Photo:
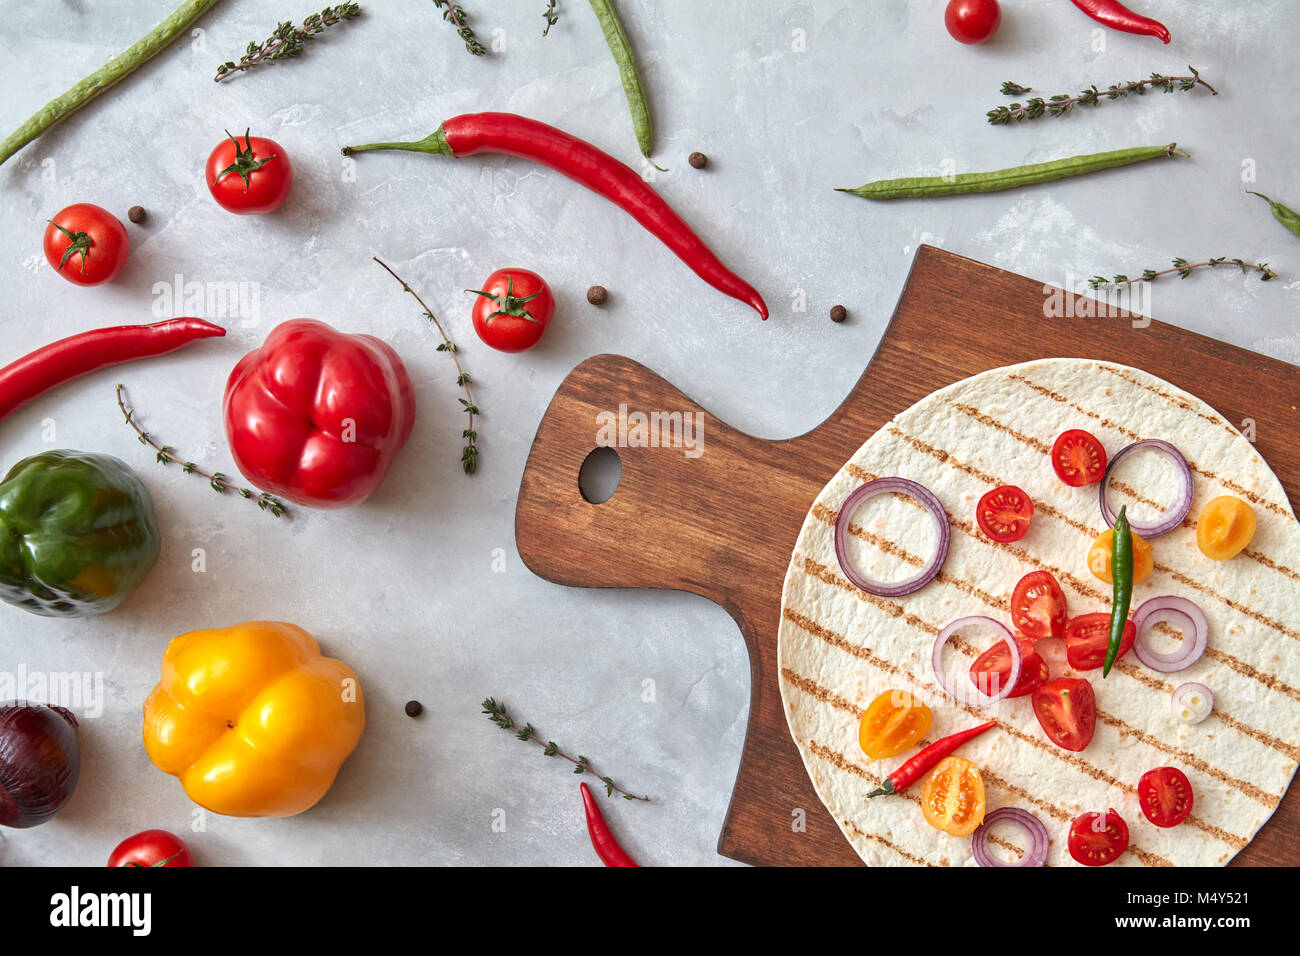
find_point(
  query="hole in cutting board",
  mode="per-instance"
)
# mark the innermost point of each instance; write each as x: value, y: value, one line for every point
x: 599, y: 475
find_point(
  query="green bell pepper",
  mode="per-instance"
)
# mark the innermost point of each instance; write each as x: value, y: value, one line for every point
x: 77, y: 534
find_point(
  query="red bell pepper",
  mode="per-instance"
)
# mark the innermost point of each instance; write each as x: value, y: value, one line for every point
x: 317, y: 416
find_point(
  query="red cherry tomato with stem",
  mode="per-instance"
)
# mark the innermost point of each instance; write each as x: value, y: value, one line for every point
x: 513, y: 309
x: 1078, y: 458
x: 1003, y: 513
x: 152, y: 848
x: 1165, y: 795
x: 1096, y: 840
x: 1087, y: 637
x: 250, y: 177
x: 1066, y: 709
x: 1038, y: 606
x: 86, y: 244
x: 972, y: 21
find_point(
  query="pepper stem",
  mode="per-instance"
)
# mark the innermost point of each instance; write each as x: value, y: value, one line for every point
x: 435, y: 142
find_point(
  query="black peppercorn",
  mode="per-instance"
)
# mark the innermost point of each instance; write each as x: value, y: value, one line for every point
x: 839, y: 313
x: 698, y: 160
x: 597, y: 295
x: 136, y: 214
x: 414, y: 708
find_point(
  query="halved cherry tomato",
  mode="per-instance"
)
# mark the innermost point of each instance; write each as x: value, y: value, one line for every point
x: 1165, y: 795
x: 1003, y: 513
x: 1224, y: 528
x: 992, y: 668
x: 1079, y: 459
x: 1100, y: 552
x: 1038, y: 606
x: 953, y: 797
x: 1096, y: 840
x: 1067, y: 711
x: 892, y: 723
x: 1087, y: 636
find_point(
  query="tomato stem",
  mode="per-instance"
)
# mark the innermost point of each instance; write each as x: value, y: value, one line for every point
x: 244, y: 163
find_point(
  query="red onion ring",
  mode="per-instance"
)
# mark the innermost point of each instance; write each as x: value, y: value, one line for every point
x: 1172, y: 518
x: 971, y: 694
x: 1035, y: 853
x: 1187, y: 617
x: 1198, y: 714
x: 927, y: 500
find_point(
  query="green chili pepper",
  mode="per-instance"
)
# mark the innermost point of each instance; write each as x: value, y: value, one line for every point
x: 147, y: 47
x: 616, y: 37
x: 1286, y: 216
x: 1121, y: 572
x: 923, y: 186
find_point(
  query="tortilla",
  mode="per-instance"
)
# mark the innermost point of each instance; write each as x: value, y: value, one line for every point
x: 838, y: 647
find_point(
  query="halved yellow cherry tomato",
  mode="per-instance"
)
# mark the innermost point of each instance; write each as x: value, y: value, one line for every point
x: 894, y: 722
x: 1225, y: 526
x: 953, y: 798
x: 1099, y: 558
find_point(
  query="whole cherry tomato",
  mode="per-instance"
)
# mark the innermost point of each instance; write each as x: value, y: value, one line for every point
x: 152, y: 848
x: 249, y: 178
x: 513, y: 309
x: 86, y: 244
x: 972, y: 21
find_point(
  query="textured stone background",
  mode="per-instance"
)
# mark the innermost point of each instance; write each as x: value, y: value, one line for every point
x: 403, y: 587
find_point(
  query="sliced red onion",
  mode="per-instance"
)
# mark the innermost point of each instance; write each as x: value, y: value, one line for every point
x: 902, y: 486
x: 1191, y: 702
x: 969, y: 694
x: 1172, y: 518
x: 1030, y: 825
x: 1182, y: 614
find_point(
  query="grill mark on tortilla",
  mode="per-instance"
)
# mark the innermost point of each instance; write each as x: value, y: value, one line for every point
x: 850, y: 825
x: 1253, y: 496
x: 1181, y: 403
x: 840, y: 641
x: 820, y: 693
x: 1235, y: 605
x: 1270, y: 681
x: 825, y: 574
x: 1270, y: 563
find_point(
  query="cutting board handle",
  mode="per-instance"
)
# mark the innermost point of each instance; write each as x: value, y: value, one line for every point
x: 691, y: 489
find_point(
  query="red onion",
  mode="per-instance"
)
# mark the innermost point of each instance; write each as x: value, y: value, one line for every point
x: 902, y: 486
x: 1191, y: 702
x: 1035, y: 833
x: 969, y: 694
x: 1172, y: 518
x: 39, y: 762
x: 1185, y: 616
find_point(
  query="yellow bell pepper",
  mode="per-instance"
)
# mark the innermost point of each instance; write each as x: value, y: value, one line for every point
x: 252, y: 719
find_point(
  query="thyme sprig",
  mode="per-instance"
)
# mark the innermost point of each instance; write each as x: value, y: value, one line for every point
x: 469, y: 454
x: 166, y: 454
x: 287, y: 41
x: 497, y: 713
x: 551, y: 17
x: 455, y: 14
x: 1184, y: 269
x: 1063, y: 103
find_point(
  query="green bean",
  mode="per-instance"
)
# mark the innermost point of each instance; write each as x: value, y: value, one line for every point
x: 616, y: 37
x: 923, y: 186
x: 148, y: 46
x: 1286, y: 216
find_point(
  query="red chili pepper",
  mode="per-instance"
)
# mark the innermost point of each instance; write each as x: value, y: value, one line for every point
x: 607, y: 848
x: 1119, y: 17
x: 78, y: 355
x: 513, y: 135
x: 915, y: 768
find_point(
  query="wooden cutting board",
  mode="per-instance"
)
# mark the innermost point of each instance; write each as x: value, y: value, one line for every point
x: 679, y: 522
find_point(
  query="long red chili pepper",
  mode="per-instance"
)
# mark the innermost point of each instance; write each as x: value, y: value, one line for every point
x: 78, y: 355
x: 514, y: 135
x: 1119, y: 17
x: 607, y: 848
x: 915, y: 768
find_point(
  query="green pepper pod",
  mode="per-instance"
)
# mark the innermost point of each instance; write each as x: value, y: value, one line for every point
x: 77, y: 534
x: 621, y: 48
x: 1121, y: 573
x: 1283, y: 214
x: 918, y: 187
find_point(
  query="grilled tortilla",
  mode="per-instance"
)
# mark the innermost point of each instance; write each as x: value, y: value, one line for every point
x: 839, y: 647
